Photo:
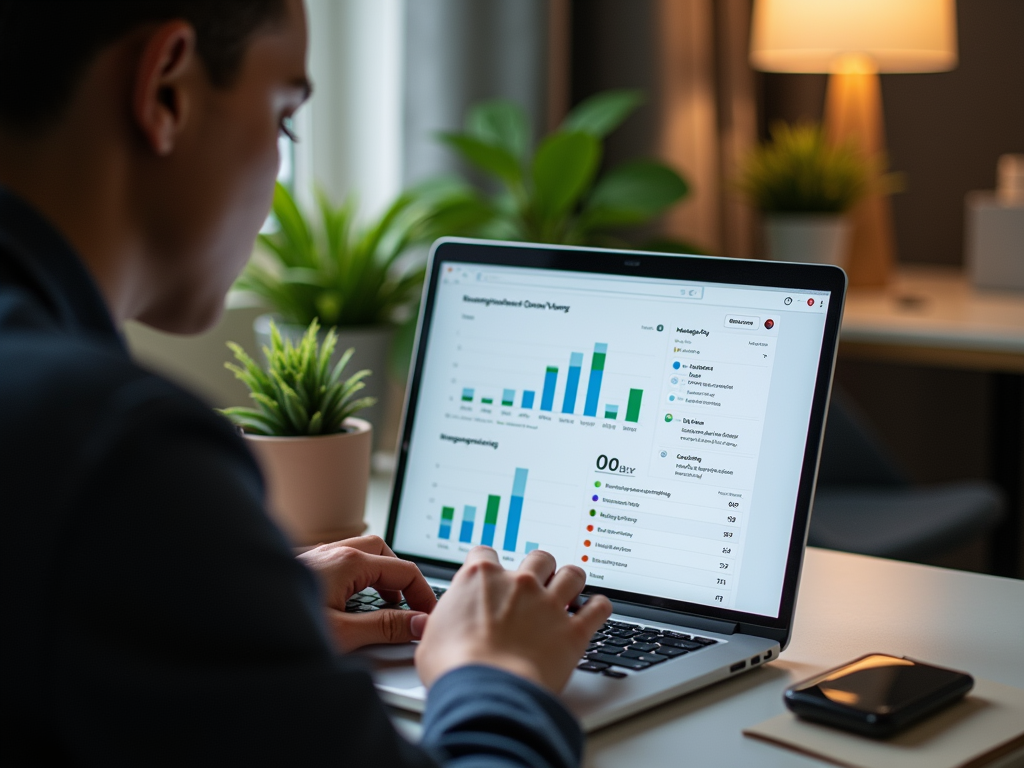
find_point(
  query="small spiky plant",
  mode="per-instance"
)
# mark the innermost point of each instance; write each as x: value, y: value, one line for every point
x: 299, y: 394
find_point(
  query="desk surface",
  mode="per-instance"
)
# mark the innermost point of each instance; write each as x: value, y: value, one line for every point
x: 934, y: 315
x: 848, y: 605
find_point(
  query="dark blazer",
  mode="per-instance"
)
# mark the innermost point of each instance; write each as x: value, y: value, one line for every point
x: 152, y: 613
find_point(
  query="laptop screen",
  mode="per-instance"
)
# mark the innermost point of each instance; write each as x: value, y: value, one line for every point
x: 651, y: 431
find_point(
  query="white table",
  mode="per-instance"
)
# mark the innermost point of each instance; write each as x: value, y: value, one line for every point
x: 848, y: 605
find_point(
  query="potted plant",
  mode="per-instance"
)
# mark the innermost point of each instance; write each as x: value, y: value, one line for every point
x: 555, y: 193
x: 346, y: 275
x: 315, y: 456
x: 803, y: 186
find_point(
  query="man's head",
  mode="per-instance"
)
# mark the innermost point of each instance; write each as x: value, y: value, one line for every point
x: 146, y: 130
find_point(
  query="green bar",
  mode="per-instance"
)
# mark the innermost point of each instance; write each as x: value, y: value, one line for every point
x: 552, y: 369
x: 611, y: 414
x: 633, y: 406
x: 597, y: 364
x: 491, y: 516
x: 507, y: 403
x: 467, y: 399
x: 487, y: 400
x: 447, y: 513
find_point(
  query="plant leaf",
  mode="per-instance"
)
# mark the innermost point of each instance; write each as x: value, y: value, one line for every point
x: 602, y: 113
x: 633, y: 194
x: 563, y: 168
x: 500, y: 123
x: 496, y: 161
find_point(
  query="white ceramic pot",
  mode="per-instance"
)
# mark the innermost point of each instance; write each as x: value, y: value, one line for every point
x: 819, y: 238
x: 372, y: 347
x: 316, y: 486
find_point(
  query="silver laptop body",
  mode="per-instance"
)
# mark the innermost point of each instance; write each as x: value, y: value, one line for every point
x: 655, y: 419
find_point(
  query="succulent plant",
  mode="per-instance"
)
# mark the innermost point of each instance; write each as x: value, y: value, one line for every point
x: 299, y: 394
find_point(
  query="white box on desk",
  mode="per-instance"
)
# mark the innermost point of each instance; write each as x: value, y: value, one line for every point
x: 995, y: 241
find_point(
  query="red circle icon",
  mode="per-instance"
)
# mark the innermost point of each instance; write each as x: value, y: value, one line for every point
x: 810, y: 302
x: 769, y: 323
x: 586, y: 542
x: 590, y: 527
x: 584, y: 558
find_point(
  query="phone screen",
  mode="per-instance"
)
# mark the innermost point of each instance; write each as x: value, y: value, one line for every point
x: 880, y: 684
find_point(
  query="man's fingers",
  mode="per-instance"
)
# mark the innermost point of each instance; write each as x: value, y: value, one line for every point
x: 392, y: 578
x: 371, y: 545
x: 593, y: 614
x: 355, y: 630
x: 567, y: 583
x: 540, y: 563
x: 482, y: 554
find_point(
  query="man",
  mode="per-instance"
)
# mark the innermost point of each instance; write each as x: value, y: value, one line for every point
x: 152, y: 612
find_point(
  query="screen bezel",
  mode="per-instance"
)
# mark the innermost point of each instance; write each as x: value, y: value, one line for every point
x: 797, y: 277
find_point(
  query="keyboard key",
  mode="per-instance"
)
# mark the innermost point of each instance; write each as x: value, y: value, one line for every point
x: 685, y: 644
x: 677, y: 635
x: 597, y: 637
x: 705, y: 641
x: 621, y: 642
x: 669, y: 652
x: 618, y: 661
x: 643, y: 647
x: 613, y: 673
x: 593, y: 666
x: 646, y: 637
x: 650, y: 658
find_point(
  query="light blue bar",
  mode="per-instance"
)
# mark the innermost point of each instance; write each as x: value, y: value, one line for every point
x: 515, y: 510
x: 468, y: 518
x: 572, y: 383
x: 547, y: 398
x: 467, y: 392
x: 594, y: 386
x: 612, y: 409
x: 528, y: 399
x: 508, y: 396
x: 530, y: 546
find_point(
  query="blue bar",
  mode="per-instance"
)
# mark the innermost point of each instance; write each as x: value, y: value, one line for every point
x: 508, y: 396
x: 572, y: 384
x: 530, y: 546
x: 528, y: 399
x: 515, y: 510
x: 547, y: 398
x: 594, y: 386
x: 488, y: 538
x: 468, y: 517
x: 467, y: 393
x: 445, y: 532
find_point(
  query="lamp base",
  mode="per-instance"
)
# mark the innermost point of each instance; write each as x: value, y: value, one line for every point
x: 853, y: 114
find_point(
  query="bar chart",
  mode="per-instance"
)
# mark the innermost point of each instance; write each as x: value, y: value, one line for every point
x: 492, y: 512
x: 579, y: 395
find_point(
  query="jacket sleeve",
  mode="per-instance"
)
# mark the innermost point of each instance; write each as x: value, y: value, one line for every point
x: 185, y: 632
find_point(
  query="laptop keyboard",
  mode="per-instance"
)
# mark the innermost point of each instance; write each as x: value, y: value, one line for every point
x: 615, y: 647
x: 618, y: 645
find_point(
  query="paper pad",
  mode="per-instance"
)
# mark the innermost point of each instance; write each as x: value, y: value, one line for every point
x: 986, y: 724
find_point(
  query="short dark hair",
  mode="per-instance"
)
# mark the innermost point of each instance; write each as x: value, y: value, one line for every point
x: 46, y: 45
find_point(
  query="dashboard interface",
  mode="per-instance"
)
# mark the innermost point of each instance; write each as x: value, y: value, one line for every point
x: 651, y: 431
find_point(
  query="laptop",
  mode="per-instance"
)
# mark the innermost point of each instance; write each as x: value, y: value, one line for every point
x: 655, y: 419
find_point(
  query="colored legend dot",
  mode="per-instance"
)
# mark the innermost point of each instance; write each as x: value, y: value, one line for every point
x: 586, y: 542
x: 668, y: 417
x: 676, y: 365
x: 597, y: 483
x: 593, y: 513
x: 594, y: 497
x: 590, y: 528
x: 584, y: 558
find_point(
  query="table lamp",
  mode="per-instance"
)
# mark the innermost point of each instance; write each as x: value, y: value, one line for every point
x: 854, y: 41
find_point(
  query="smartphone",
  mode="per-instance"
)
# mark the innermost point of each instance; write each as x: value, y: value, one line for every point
x: 877, y: 695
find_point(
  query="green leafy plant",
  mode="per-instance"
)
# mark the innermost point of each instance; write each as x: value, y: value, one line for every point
x: 799, y: 171
x: 335, y: 270
x: 299, y: 393
x: 554, y: 194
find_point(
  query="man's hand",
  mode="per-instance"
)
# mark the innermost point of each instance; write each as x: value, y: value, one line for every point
x: 350, y: 566
x: 513, y: 620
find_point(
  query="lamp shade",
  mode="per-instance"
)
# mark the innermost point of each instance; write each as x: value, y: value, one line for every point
x: 826, y: 35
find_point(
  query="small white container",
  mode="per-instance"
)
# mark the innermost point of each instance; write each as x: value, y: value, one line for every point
x: 994, y: 232
x: 819, y: 238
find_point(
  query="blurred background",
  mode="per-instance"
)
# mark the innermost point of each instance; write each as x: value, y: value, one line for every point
x: 391, y: 74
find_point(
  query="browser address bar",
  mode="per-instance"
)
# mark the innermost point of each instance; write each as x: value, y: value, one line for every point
x: 584, y: 284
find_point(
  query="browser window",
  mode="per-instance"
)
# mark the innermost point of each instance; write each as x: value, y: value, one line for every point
x: 650, y: 431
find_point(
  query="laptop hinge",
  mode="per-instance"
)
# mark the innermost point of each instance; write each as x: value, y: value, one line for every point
x: 675, y: 617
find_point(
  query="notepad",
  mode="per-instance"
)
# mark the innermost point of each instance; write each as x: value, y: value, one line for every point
x: 986, y: 726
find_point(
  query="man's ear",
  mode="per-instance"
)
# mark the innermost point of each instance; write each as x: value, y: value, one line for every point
x: 160, y: 103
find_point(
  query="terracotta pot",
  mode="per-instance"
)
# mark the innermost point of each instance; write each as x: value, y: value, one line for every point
x: 316, y: 486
